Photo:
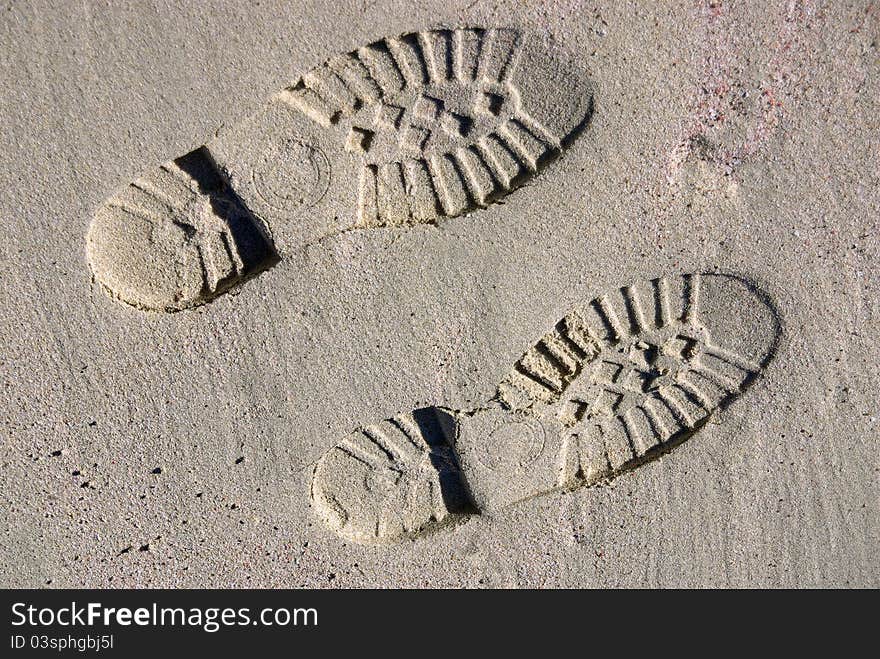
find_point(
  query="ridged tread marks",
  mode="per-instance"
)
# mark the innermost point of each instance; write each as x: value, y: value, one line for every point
x: 166, y: 198
x: 544, y: 372
x: 453, y: 183
x: 422, y: 189
x: 382, y: 69
x: 600, y: 448
x: 396, y: 463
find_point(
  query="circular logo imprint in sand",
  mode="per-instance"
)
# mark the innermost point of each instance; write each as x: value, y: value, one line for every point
x: 513, y: 446
x: 292, y: 176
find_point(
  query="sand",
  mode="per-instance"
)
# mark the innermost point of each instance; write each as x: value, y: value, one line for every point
x: 149, y: 448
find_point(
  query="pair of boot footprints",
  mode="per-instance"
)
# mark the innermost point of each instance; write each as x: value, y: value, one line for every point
x: 410, y: 130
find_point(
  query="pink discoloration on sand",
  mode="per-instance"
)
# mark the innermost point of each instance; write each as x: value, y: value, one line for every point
x: 722, y: 92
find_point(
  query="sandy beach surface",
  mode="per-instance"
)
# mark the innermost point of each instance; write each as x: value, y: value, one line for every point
x: 145, y: 448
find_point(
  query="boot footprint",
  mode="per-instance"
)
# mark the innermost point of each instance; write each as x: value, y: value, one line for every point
x: 617, y: 382
x: 404, y: 130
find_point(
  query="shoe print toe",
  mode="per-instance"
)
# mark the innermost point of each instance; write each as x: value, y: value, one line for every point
x: 554, y: 89
x: 738, y: 316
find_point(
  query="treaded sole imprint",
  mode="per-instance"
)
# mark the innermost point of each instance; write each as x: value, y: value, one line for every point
x: 176, y: 237
x: 404, y: 130
x: 439, y: 119
x: 617, y: 382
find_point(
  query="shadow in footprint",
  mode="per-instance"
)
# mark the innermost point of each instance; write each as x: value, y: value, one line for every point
x: 252, y: 242
x: 439, y: 429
